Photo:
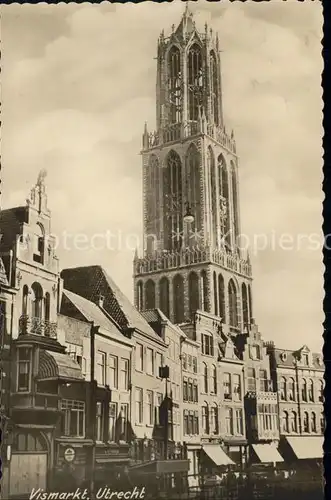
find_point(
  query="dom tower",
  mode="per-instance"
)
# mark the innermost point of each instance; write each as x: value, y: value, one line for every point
x: 192, y: 260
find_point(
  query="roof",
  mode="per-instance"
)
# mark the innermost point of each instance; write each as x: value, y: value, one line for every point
x: 92, y: 313
x: 157, y: 316
x: 91, y: 282
x: 58, y: 365
x: 287, y: 358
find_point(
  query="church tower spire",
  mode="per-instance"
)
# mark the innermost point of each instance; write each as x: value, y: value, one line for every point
x: 192, y: 258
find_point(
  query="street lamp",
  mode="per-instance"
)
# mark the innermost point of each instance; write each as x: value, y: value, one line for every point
x: 188, y: 217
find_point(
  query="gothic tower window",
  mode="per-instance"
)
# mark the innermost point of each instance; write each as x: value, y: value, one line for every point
x: 152, y: 202
x: 250, y: 302
x: 164, y: 296
x: 224, y: 199
x: 178, y: 285
x: 195, y: 82
x: 193, y: 184
x: 173, y: 202
x: 140, y: 296
x: 235, y: 200
x: 213, y: 193
x: 214, y: 87
x: 175, y: 85
x: 215, y: 294
x: 221, y: 297
x: 245, y: 304
x: 150, y: 294
x: 233, y: 306
x: 193, y: 283
x: 204, y: 291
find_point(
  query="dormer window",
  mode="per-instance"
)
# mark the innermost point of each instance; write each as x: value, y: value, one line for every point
x: 305, y: 359
x: 39, y: 246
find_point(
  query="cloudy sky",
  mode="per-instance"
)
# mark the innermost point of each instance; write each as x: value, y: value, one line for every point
x: 78, y: 83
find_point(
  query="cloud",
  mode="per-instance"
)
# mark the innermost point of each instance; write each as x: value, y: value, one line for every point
x: 77, y: 91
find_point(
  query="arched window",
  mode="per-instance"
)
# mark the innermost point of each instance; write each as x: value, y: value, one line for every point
x: 47, y: 306
x: 214, y: 419
x: 25, y: 296
x: 178, y: 285
x: 152, y: 209
x: 291, y: 389
x: 37, y: 300
x: 313, y: 422
x: 304, y: 392
x: 250, y: 302
x: 245, y: 305
x: 173, y: 202
x: 205, y: 418
x: 204, y: 291
x: 215, y: 294
x: 235, y: 201
x: 150, y: 294
x: 193, y: 286
x: 223, y: 180
x: 221, y: 297
x: 214, y: 379
x: 205, y: 377
x: 310, y: 390
x: 321, y: 392
x: 233, y: 306
x: 213, y: 207
x: 193, y: 182
x: 285, y: 422
x: 305, y: 422
x: 214, y: 87
x: 164, y: 296
x: 195, y: 82
x: 175, y: 85
x: 39, y: 247
x: 322, y: 423
x: 282, y: 389
x: 140, y: 296
x: 293, y: 422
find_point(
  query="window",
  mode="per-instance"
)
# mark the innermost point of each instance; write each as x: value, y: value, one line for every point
x: 124, y: 375
x: 99, y: 421
x: 228, y: 421
x: 190, y: 390
x: 150, y: 361
x: 185, y: 390
x: 195, y: 391
x: 100, y: 374
x: 205, y: 419
x: 233, y: 305
x: 24, y: 370
x: 139, y: 357
x: 313, y: 422
x: 112, y: 420
x: 150, y: 407
x: 293, y: 422
x: 214, y: 380
x: 207, y: 345
x: 305, y: 422
x: 285, y: 422
x: 189, y: 362
x: 124, y: 421
x: 282, y: 389
x: 311, y: 391
x: 139, y: 405
x: 322, y: 423
x: 205, y: 378
x: 305, y: 359
x: 255, y: 352
x: 184, y: 361
x: 321, y: 392
x: 251, y: 380
x: 191, y: 422
x: 196, y: 423
x: 236, y: 387
x: 73, y: 421
x: 158, y: 363
x: 227, y: 386
x: 239, y: 422
x: 214, y: 419
x: 304, y: 391
x: 291, y: 389
x: 195, y: 364
x: 158, y: 403
x: 263, y: 380
x: 39, y: 244
x: 113, y: 382
x: 186, y: 429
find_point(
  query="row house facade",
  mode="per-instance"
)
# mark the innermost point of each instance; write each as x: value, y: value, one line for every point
x: 298, y: 378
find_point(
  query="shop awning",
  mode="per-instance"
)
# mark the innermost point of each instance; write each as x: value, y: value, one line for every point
x: 267, y: 453
x: 306, y: 447
x: 55, y: 365
x: 217, y: 455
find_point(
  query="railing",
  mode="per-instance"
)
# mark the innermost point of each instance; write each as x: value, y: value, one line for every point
x: 37, y: 326
x: 173, y: 260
